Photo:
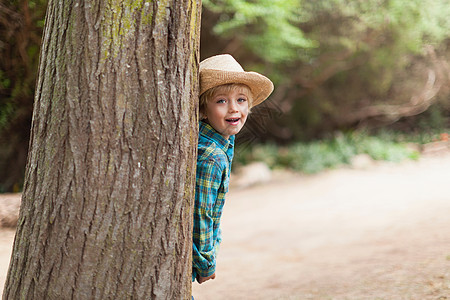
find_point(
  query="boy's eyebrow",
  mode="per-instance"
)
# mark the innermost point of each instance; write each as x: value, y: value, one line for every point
x: 225, y: 94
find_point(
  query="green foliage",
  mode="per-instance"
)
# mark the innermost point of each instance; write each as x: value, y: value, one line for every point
x: 4, y: 81
x: 434, y: 119
x: 286, y: 30
x: 333, y: 58
x: 6, y: 110
x: 324, y: 154
x: 20, y: 32
x: 316, y: 156
x: 384, y: 150
x: 269, y: 28
x: 416, y: 137
x: 21, y: 24
x: 413, y: 23
x: 386, y: 34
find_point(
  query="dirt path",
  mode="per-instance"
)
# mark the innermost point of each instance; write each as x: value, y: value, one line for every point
x: 382, y: 233
x: 6, y: 240
x: 346, y: 234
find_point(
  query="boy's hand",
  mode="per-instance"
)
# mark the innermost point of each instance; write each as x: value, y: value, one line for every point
x: 201, y: 279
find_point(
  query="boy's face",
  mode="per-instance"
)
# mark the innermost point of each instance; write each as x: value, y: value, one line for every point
x: 227, y: 112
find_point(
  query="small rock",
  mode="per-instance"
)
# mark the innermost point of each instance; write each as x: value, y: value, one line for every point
x: 9, y: 210
x: 251, y: 174
x: 362, y: 161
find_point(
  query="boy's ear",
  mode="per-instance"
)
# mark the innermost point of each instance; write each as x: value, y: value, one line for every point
x: 202, y: 112
x: 202, y: 115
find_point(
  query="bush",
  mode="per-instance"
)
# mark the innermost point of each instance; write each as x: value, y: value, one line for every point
x: 313, y: 157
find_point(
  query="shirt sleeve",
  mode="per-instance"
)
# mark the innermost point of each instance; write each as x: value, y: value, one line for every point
x: 205, y: 242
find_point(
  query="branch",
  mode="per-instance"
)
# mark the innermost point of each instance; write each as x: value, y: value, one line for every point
x: 416, y: 105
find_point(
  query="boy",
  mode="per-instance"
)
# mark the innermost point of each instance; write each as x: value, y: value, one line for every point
x: 227, y: 94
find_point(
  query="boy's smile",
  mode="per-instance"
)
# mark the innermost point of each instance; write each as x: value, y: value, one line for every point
x: 227, y: 112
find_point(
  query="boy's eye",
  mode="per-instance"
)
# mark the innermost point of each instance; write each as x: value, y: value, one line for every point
x: 242, y: 100
x: 221, y: 101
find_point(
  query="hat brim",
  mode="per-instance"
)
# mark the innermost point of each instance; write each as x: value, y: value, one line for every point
x: 260, y: 86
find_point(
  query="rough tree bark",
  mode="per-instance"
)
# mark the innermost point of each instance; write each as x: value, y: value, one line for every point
x: 106, y: 207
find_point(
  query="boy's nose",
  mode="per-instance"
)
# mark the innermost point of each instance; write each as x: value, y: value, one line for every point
x: 233, y: 106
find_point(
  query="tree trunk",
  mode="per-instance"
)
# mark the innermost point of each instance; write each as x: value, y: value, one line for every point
x: 107, y: 204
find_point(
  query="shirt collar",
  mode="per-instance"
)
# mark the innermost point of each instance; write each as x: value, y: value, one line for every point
x: 208, y: 132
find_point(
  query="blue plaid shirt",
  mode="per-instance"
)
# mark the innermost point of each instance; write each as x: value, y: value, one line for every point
x: 214, y: 157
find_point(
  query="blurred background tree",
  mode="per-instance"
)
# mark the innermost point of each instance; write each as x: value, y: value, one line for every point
x: 21, y: 24
x: 337, y: 65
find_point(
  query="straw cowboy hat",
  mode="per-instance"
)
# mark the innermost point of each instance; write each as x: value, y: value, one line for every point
x: 224, y: 69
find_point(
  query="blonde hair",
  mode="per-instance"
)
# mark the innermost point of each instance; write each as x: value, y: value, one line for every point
x: 225, y: 88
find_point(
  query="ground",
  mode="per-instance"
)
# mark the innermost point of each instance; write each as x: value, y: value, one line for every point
x: 382, y: 232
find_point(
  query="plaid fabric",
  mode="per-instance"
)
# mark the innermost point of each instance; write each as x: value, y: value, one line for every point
x: 214, y: 157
